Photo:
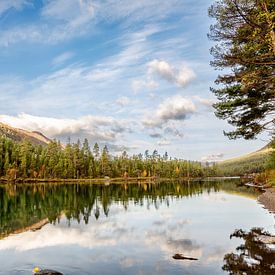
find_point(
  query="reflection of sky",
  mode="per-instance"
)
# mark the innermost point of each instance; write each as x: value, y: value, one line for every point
x: 141, y: 240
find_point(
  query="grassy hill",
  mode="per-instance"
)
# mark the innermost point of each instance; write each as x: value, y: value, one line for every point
x: 16, y: 134
x: 254, y: 162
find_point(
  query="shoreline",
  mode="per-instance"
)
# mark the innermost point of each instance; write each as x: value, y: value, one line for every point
x: 4, y: 181
x: 267, y: 199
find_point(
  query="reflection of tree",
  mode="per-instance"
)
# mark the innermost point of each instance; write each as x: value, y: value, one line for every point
x: 254, y: 256
x: 25, y: 205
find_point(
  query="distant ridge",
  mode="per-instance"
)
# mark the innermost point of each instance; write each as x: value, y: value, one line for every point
x: 263, y: 152
x: 250, y: 163
x: 17, y: 134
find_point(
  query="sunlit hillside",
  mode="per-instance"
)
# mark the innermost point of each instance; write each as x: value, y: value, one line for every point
x: 17, y: 134
x: 254, y: 162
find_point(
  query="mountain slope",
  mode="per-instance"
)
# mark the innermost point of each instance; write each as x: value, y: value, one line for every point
x: 17, y: 134
x: 254, y: 162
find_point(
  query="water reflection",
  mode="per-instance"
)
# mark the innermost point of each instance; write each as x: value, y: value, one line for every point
x: 23, y: 207
x: 253, y: 257
x: 123, y: 228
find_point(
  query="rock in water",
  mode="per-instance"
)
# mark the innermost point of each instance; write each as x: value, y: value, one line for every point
x: 47, y: 272
x: 181, y: 257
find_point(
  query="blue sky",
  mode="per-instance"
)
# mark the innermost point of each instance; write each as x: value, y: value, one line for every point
x: 132, y: 74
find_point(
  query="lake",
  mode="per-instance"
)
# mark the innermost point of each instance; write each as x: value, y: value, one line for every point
x: 126, y: 228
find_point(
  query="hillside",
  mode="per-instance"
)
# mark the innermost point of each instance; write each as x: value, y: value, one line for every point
x: 16, y: 134
x: 254, y: 162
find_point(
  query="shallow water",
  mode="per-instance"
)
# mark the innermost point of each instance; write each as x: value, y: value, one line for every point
x: 125, y: 228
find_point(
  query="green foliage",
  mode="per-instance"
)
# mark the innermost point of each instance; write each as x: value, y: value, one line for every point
x: 271, y: 161
x: 255, y: 164
x: 252, y: 163
x: 76, y: 160
x: 244, y: 32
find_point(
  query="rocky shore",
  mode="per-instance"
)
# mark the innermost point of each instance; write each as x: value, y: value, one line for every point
x: 268, y: 199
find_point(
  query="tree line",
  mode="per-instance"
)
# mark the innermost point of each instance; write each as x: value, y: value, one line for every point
x: 79, y: 161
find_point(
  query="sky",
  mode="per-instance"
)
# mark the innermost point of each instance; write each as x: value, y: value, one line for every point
x: 130, y: 74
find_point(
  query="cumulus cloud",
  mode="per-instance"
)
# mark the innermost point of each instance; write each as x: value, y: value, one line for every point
x: 163, y: 69
x: 138, y: 85
x: 93, y: 127
x: 175, y: 108
x: 213, y: 157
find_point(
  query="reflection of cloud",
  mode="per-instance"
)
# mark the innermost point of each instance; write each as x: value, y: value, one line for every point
x: 216, y: 255
x: 178, y: 226
x: 215, y: 199
x: 96, y: 235
x: 170, y: 245
x: 127, y: 262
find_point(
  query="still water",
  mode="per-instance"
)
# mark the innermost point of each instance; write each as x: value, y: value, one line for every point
x: 127, y: 228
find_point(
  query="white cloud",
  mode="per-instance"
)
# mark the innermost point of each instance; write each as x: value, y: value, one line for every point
x: 155, y: 135
x: 75, y: 13
x: 181, y: 77
x: 172, y: 130
x: 22, y: 33
x: 163, y: 142
x: 185, y: 76
x: 136, y: 11
x: 123, y: 101
x: 213, y: 157
x: 5, y: 5
x: 162, y: 68
x: 59, y: 20
x: 62, y: 58
x: 96, y: 128
x: 173, y: 108
x: 64, y: 19
x: 204, y: 101
x: 138, y: 85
